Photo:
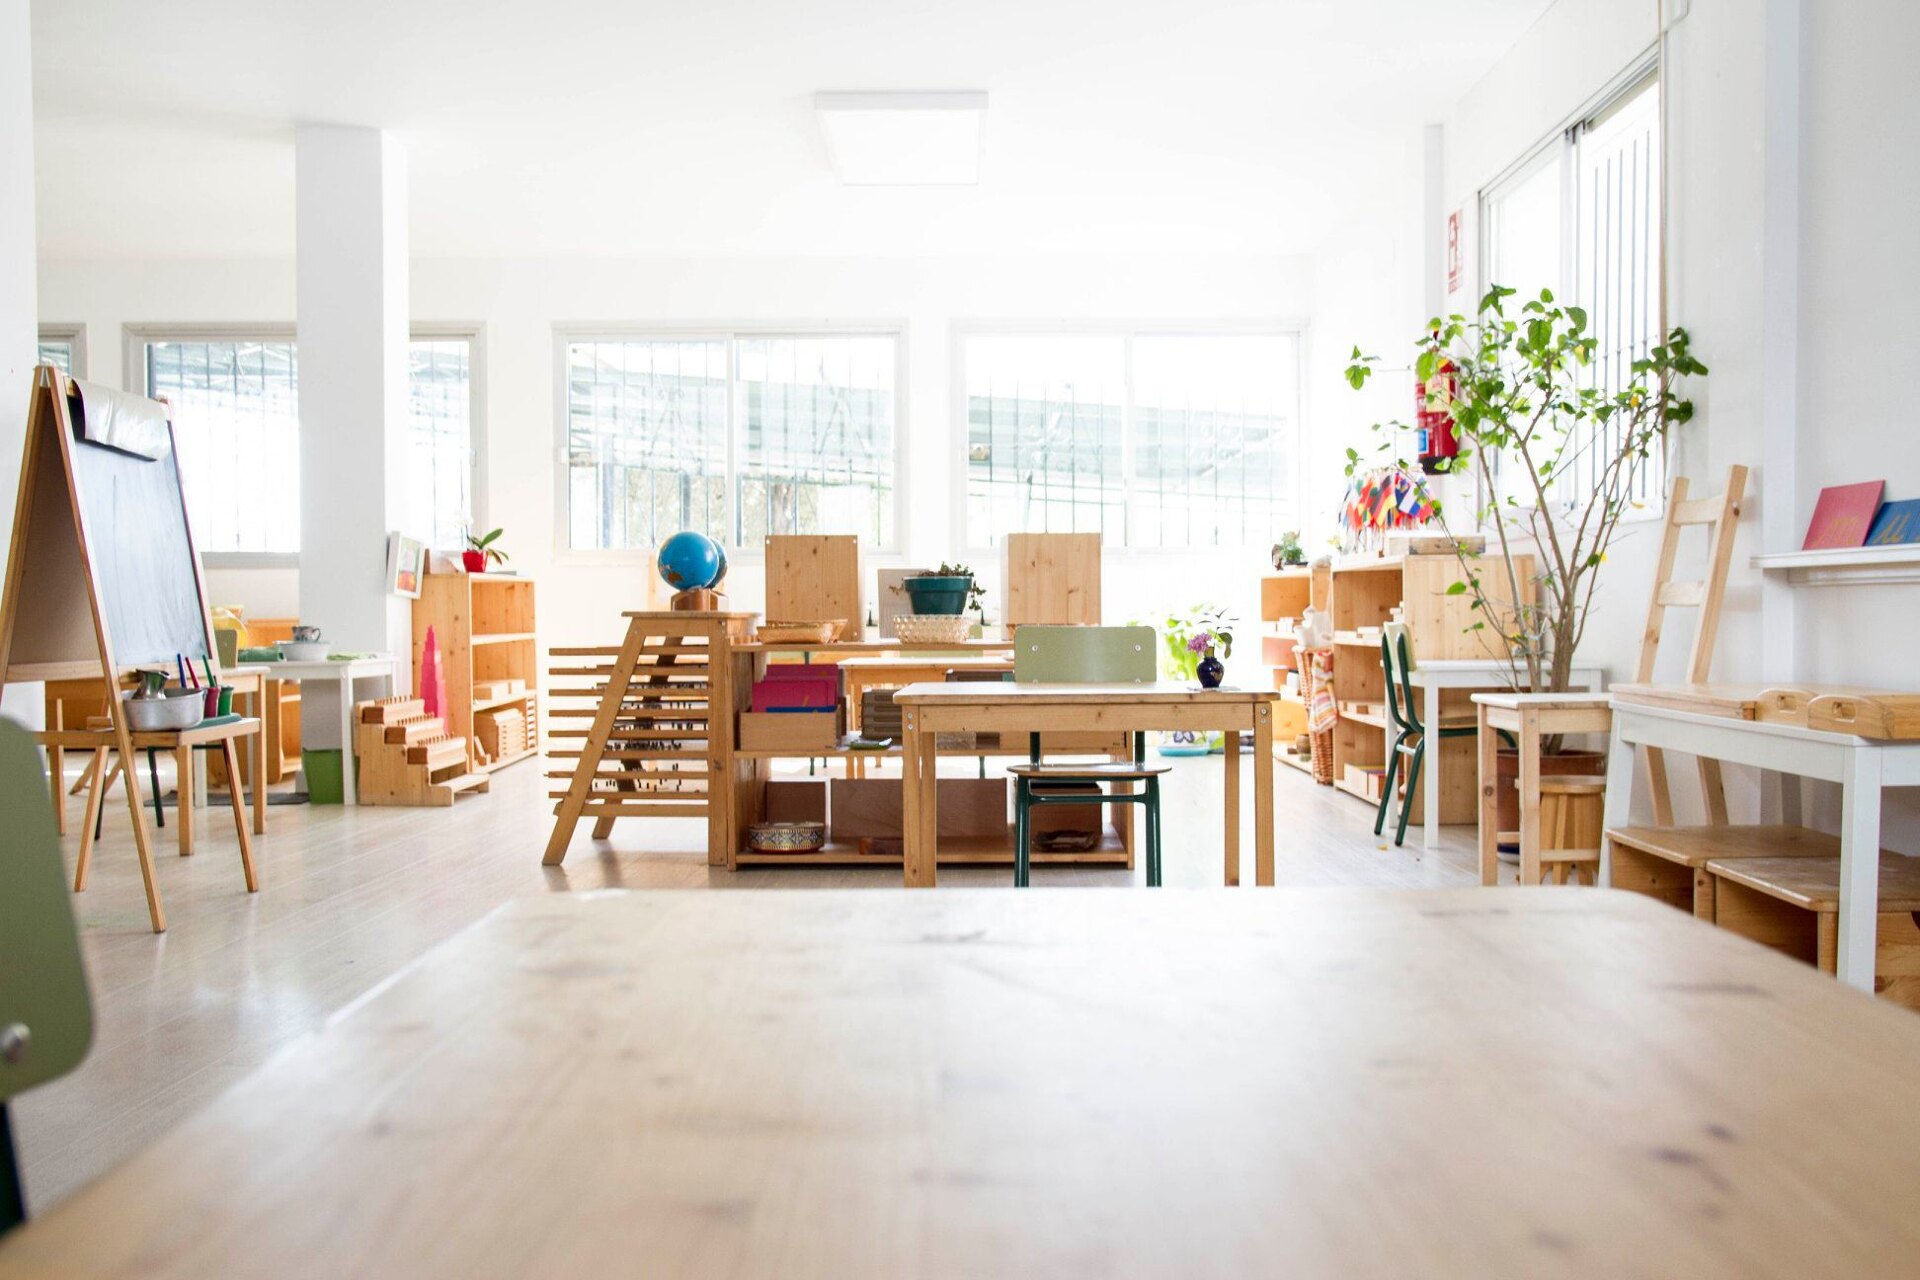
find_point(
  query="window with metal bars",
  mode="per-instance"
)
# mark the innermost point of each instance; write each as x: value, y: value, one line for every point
x: 235, y: 408
x: 1580, y: 215
x: 440, y: 438
x: 735, y: 435
x: 57, y: 352
x: 1152, y: 440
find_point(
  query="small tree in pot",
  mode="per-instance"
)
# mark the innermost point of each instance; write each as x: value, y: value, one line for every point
x: 1559, y: 454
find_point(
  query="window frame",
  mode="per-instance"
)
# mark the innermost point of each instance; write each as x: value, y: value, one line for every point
x: 1562, y: 145
x: 729, y: 333
x: 135, y: 339
x: 75, y: 336
x: 1130, y: 330
x: 474, y: 334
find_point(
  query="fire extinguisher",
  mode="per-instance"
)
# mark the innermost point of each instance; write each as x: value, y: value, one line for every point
x: 1433, y: 424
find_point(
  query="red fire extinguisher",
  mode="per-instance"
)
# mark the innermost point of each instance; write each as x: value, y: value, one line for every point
x: 1433, y: 424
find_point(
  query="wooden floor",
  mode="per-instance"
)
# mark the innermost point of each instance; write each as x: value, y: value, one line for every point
x: 350, y: 897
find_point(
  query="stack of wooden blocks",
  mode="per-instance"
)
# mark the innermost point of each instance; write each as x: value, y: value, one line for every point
x: 502, y: 732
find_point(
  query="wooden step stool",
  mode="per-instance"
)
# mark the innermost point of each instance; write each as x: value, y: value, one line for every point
x: 1670, y: 863
x: 1571, y: 816
x: 408, y: 758
x: 1793, y: 906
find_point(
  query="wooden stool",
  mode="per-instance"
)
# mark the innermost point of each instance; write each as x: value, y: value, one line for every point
x: 1570, y: 822
x: 1670, y: 863
x: 1528, y: 718
x: 1793, y: 906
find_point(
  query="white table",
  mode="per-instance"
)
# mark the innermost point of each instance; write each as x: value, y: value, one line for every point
x: 344, y: 673
x: 1465, y: 673
x: 1862, y: 767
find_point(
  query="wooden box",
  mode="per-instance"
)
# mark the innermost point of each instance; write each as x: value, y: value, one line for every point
x: 815, y: 578
x: 799, y: 732
x: 874, y: 809
x: 796, y: 800
x: 502, y: 732
x: 1049, y: 819
x: 488, y: 690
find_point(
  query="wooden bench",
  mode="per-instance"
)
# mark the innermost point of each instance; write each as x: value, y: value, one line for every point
x: 1670, y: 863
x: 1793, y: 906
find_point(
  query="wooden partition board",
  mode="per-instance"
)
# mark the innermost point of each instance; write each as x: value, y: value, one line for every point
x: 1053, y: 578
x: 815, y: 578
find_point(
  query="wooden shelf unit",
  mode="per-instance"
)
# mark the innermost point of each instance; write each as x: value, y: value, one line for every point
x: 1362, y: 597
x: 484, y: 624
x: 1286, y: 594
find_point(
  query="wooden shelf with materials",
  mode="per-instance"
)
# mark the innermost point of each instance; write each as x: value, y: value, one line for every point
x: 484, y: 625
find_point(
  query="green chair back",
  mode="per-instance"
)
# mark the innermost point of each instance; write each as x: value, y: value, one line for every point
x: 1085, y: 655
x: 1396, y: 662
x: 46, y: 1016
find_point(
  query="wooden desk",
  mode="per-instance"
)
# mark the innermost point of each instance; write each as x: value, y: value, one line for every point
x: 1652, y: 717
x: 1531, y: 718
x: 343, y: 672
x: 928, y: 710
x: 1447, y: 1083
x: 864, y: 673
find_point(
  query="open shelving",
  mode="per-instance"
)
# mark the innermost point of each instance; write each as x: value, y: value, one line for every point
x: 484, y: 625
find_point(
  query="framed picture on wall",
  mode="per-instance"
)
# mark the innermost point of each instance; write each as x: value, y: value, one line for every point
x: 406, y: 565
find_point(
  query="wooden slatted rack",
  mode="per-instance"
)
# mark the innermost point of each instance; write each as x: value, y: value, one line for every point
x: 646, y: 725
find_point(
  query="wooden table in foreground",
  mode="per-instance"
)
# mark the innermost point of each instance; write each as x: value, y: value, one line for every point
x: 1061, y: 1083
x: 928, y: 710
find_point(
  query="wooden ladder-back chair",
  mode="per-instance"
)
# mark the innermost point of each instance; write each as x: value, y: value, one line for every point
x: 1720, y: 513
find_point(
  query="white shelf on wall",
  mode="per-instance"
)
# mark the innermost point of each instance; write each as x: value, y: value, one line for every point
x: 1845, y: 566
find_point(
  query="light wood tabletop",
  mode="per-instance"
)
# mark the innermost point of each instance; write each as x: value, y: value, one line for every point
x: 928, y: 710
x: 1052, y: 1083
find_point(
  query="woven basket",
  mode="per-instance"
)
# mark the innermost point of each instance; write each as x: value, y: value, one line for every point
x: 1322, y: 744
x: 931, y: 628
x: 797, y: 632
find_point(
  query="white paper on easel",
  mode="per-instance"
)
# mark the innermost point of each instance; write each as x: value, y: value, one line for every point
x: 124, y: 421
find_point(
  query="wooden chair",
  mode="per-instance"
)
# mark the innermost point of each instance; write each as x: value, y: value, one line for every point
x: 46, y: 1017
x: 1084, y: 655
x: 1720, y: 514
x: 1410, y: 736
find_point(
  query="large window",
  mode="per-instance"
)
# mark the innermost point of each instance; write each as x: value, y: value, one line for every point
x: 440, y: 434
x: 1581, y: 216
x: 1152, y: 440
x: 235, y: 410
x: 736, y: 435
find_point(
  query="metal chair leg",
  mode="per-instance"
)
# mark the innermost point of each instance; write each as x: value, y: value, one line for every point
x: 1413, y: 780
x: 1154, y: 846
x: 1386, y: 792
x: 1022, y: 832
x: 153, y: 772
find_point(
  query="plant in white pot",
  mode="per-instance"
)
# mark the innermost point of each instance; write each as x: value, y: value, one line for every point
x: 1559, y: 448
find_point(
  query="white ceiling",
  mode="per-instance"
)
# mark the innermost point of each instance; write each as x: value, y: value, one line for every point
x: 684, y: 127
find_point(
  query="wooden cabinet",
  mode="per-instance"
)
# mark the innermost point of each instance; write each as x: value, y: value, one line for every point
x: 484, y: 626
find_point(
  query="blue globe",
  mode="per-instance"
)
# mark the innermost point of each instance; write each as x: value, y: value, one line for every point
x: 690, y: 560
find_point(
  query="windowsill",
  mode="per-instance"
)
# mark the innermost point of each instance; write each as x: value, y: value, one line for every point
x: 250, y: 559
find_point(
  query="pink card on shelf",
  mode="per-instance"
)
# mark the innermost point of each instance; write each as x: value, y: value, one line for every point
x: 1843, y: 516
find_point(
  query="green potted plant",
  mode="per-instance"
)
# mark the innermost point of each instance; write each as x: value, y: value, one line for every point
x: 1527, y: 407
x: 948, y: 590
x: 481, y: 552
x: 1287, y: 552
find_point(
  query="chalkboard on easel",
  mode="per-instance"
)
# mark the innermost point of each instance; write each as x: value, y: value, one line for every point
x: 103, y: 567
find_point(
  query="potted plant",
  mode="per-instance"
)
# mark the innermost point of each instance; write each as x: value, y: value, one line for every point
x: 948, y: 590
x: 1527, y: 407
x: 481, y: 552
x: 1193, y: 642
x: 1287, y: 552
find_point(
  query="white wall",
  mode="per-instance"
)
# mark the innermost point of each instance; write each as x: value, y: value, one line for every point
x: 17, y: 308
x: 518, y: 303
x: 1851, y: 329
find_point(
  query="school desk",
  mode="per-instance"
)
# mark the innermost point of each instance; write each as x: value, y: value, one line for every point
x: 345, y: 672
x: 928, y: 710
x: 1062, y: 1083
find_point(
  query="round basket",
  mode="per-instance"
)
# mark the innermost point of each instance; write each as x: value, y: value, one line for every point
x: 931, y: 628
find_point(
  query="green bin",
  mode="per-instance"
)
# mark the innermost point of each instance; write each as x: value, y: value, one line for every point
x: 324, y: 784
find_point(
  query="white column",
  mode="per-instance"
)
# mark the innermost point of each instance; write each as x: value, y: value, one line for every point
x: 351, y: 271
x: 19, y: 318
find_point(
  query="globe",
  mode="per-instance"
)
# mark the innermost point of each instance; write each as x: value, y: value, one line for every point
x: 690, y: 560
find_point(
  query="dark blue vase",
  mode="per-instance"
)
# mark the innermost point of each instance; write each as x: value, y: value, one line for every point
x: 1210, y: 671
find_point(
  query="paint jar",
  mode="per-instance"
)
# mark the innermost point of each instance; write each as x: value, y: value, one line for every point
x: 226, y: 700
x: 212, y: 701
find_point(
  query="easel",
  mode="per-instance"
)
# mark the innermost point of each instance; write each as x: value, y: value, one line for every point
x: 53, y: 619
